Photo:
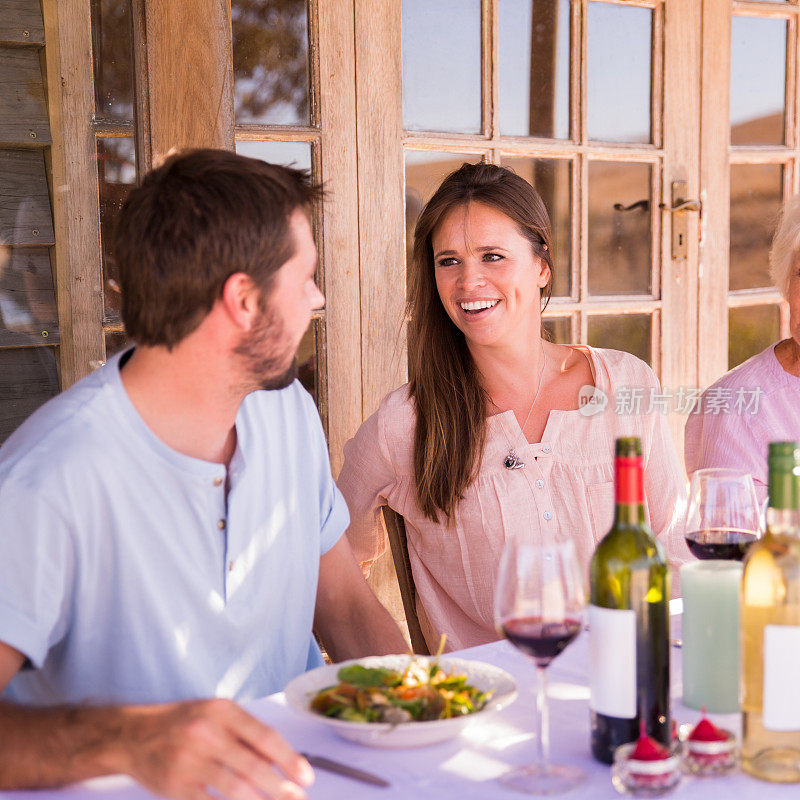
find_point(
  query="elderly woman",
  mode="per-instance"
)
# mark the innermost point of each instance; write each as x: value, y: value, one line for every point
x: 763, y: 394
x: 488, y: 441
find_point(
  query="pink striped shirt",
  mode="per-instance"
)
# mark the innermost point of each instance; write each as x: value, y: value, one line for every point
x: 565, y: 491
x: 754, y: 404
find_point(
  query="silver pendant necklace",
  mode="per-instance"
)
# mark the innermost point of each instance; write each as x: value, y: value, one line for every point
x: 512, y: 460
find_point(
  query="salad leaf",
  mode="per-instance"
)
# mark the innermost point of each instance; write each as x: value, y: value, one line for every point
x: 368, y: 676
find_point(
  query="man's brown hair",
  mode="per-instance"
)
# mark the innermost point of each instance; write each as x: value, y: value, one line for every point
x: 450, y: 402
x: 200, y: 217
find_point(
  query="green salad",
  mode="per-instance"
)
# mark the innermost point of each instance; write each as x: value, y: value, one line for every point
x: 423, y: 691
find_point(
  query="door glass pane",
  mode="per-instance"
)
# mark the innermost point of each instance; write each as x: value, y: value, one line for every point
x: 270, y: 61
x: 552, y: 178
x: 28, y: 377
x: 116, y: 170
x: 534, y: 68
x: 442, y: 65
x: 558, y: 329
x: 629, y: 332
x: 620, y: 42
x: 756, y: 191
x: 619, y: 228
x: 112, y: 35
x: 758, y: 80
x: 425, y: 170
x: 751, y: 329
x: 28, y: 313
x: 290, y: 154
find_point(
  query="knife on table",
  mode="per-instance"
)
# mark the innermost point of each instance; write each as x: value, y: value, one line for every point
x: 320, y: 762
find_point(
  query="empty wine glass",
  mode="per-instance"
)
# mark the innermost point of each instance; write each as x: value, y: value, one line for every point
x: 539, y: 604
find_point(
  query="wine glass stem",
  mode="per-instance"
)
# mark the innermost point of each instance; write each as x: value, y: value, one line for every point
x: 542, y: 722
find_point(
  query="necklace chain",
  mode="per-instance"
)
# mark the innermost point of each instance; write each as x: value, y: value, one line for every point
x: 512, y: 460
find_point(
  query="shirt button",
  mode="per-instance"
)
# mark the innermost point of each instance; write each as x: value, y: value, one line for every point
x: 221, y: 524
x: 546, y: 448
x: 230, y: 566
x: 217, y: 481
x: 547, y: 515
x: 540, y: 484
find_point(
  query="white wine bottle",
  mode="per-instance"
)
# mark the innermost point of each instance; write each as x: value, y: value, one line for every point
x: 770, y: 620
x: 628, y: 620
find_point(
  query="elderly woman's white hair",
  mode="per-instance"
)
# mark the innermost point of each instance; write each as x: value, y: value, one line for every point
x: 785, y: 245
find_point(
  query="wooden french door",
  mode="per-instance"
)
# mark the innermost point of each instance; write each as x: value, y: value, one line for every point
x: 597, y: 102
x: 749, y: 156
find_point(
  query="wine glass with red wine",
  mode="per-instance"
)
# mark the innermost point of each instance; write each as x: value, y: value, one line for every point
x: 723, y: 517
x: 539, y: 607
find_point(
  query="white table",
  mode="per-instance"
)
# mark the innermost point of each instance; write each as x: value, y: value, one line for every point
x: 466, y: 768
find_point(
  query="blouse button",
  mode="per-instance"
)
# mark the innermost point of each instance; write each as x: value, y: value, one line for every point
x: 546, y: 448
x: 540, y: 484
x: 217, y: 481
x: 221, y: 524
x: 547, y: 515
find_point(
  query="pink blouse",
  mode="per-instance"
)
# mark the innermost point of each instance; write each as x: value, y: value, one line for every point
x: 754, y: 404
x: 565, y: 491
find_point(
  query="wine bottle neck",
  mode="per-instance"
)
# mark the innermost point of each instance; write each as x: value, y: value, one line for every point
x: 629, y: 514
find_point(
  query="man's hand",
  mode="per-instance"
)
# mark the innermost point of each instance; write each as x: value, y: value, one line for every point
x: 179, y: 750
x: 184, y: 749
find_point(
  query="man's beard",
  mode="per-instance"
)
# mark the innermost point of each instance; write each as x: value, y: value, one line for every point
x: 264, y: 351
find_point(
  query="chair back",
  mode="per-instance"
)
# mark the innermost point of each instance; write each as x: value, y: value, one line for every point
x: 396, y: 531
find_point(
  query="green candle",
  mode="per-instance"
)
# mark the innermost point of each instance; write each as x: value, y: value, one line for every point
x: 710, y: 634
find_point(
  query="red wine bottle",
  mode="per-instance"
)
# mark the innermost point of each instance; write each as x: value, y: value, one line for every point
x: 628, y: 620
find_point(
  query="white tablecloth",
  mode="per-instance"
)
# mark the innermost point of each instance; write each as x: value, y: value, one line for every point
x: 466, y: 768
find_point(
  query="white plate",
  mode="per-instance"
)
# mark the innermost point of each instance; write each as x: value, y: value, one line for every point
x: 303, y: 688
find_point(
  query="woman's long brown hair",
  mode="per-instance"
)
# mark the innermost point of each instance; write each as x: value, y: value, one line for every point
x: 451, y: 405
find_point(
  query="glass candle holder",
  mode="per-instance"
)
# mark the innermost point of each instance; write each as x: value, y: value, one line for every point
x: 645, y: 778
x: 705, y: 759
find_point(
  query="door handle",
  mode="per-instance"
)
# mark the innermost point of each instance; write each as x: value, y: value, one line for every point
x: 680, y: 225
x: 685, y: 205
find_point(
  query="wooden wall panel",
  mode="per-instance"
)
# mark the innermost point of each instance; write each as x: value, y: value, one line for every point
x: 24, y: 199
x: 23, y: 112
x: 21, y: 22
x: 75, y: 188
x: 28, y: 378
x: 337, y: 118
x: 190, y: 74
x: 381, y: 202
x: 27, y: 296
x: 381, y: 227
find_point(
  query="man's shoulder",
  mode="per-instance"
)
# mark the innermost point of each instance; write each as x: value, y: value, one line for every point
x: 68, y: 432
x: 284, y: 418
x: 292, y: 404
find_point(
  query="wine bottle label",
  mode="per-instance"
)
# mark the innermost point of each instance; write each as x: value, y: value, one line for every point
x: 612, y: 661
x: 781, y: 711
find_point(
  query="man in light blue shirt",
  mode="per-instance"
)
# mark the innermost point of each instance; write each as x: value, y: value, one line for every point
x: 170, y: 526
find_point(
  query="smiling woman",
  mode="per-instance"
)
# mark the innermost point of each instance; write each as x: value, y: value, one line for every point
x: 489, y: 440
x: 488, y: 290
